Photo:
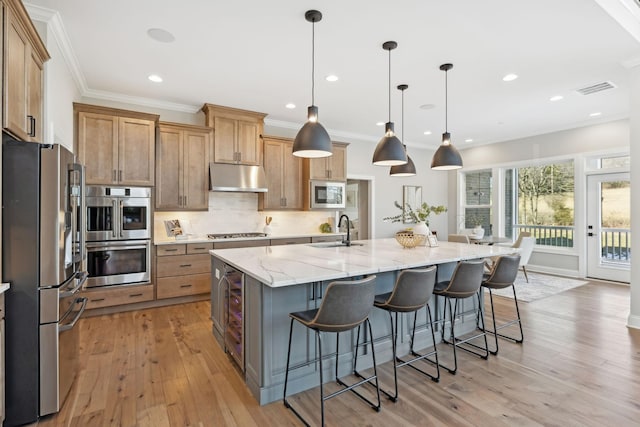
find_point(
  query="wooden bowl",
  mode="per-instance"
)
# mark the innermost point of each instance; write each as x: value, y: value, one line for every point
x: 410, y: 240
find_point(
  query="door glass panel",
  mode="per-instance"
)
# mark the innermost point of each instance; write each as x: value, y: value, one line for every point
x: 134, y: 218
x: 615, y: 223
x: 100, y: 218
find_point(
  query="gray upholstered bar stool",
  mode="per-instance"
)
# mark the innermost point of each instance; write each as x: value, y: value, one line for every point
x: 502, y: 275
x: 345, y: 306
x: 465, y: 282
x: 412, y: 291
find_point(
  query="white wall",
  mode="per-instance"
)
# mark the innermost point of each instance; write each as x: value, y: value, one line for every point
x: 634, y: 311
x: 577, y: 144
x: 60, y: 91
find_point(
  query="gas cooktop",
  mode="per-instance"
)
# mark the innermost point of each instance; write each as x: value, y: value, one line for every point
x: 234, y: 235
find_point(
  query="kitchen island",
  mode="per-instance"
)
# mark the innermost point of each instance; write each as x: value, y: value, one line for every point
x: 273, y: 281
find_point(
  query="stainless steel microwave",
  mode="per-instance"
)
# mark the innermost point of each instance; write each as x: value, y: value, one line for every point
x: 327, y: 195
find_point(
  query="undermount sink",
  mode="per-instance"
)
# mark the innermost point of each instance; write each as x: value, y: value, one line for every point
x: 333, y: 244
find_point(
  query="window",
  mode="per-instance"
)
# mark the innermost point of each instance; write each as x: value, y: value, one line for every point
x: 477, y: 200
x: 615, y: 162
x: 544, y: 203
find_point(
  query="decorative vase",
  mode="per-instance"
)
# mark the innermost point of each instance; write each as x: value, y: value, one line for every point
x: 478, y: 232
x: 422, y: 228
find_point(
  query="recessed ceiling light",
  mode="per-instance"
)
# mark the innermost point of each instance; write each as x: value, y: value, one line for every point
x: 468, y: 140
x: 427, y: 106
x: 427, y: 132
x: 510, y: 77
x: 160, y: 35
x: 556, y: 98
x: 155, y: 78
x: 595, y: 114
x: 332, y: 78
x: 380, y: 124
x: 291, y: 105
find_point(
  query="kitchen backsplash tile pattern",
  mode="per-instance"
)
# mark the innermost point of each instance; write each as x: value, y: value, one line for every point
x: 238, y: 212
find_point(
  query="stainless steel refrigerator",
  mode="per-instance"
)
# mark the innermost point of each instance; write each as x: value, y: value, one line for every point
x: 43, y: 258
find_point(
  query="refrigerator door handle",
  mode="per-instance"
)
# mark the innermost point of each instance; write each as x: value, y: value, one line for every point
x: 70, y: 325
x: 114, y: 220
x: 121, y: 221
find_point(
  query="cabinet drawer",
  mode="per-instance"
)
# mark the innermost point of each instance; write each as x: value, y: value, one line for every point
x: 119, y: 295
x: 291, y: 241
x: 183, y: 264
x: 199, y: 248
x: 167, y: 250
x: 321, y: 239
x: 192, y: 284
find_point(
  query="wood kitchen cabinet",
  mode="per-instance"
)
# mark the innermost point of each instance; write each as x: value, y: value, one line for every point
x: 24, y: 55
x: 183, y: 269
x: 237, y: 135
x: 116, y: 146
x: 182, y: 167
x: 332, y: 168
x: 283, y: 172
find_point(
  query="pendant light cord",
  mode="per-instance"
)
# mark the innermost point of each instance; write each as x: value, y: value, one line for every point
x: 313, y: 62
x: 405, y: 147
x: 446, y: 101
x: 389, y: 86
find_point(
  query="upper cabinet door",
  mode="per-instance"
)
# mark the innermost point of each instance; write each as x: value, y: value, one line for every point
x: 16, y: 51
x: 338, y: 162
x: 196, y: 169
x: 24, y: 55
x: 136, y: 151
x: 225, y: 134
x: 169, y: 169
x: 292, y: 178
x: 248, y: 143
x: 98, y: 148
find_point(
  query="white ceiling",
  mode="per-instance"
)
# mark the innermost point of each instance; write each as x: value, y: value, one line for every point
x: 256, y: 55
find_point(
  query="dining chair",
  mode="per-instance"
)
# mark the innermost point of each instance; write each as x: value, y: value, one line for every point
x: 459, y: 238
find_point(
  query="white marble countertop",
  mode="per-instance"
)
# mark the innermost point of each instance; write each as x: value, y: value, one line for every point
x: 204, y: 239
x: 4, y: 287
x: 278, y: 266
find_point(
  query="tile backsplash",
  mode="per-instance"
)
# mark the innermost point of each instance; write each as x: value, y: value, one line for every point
x: 238, y: 212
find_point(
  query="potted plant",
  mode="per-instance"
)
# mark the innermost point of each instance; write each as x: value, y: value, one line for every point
x: 476, y: 220
x: 419, y: 215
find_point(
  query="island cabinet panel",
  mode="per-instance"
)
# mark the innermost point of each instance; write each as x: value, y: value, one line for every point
x: 237, y: 134
x: 283, y: 172
x: 24, y: 55
x: 116, y: 146
x: 182, y: 172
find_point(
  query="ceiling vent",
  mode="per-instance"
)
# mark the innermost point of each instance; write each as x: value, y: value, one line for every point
x: 598, y: 87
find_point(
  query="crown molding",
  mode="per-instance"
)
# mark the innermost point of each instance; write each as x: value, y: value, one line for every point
x: 142, y: 101
x: 624, y: 12
x: 56, y: 28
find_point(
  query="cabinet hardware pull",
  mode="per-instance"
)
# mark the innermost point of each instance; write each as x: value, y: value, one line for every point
x: 120, y: 175
x: 97, y: 300
x: 114, y: 175
x: 32, y: 125
x: 135, y: 295
x: 185, y: 265
x: 170, y: 250
x: 199, y: 249
x: 184, y: 201
x: 185, y: 286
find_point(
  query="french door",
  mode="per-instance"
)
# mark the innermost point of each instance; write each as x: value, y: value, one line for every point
x: 609, y: 227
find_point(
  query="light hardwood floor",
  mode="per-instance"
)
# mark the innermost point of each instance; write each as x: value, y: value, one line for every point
x: 579, y: 366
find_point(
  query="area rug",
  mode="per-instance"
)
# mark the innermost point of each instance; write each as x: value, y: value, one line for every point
x: 539, y: 286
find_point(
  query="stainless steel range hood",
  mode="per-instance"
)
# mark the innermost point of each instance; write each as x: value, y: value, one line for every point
x: 241, y: 178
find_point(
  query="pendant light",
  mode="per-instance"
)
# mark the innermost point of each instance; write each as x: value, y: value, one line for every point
x: 389, y: 151
x: 312, y: 139
x: 409, y: 168
x: 446, y: 157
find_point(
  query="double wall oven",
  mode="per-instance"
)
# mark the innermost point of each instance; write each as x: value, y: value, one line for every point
x: 118, y: 235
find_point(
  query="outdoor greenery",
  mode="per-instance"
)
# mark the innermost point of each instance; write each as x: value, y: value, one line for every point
x: 548, y: 186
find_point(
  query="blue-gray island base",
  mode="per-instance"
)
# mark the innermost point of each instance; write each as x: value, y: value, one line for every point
x: 278, y: 280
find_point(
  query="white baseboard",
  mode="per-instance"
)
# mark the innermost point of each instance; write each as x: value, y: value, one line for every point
x: 552, y: 270
x: 633, y: 321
